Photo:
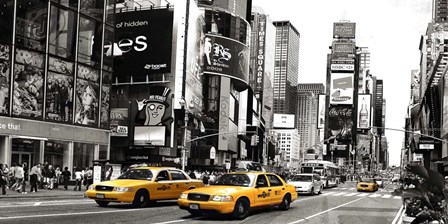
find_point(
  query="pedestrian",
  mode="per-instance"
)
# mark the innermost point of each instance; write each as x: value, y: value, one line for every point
x: 43, y: 176
x: 12, y: 181
x: 58, y: 176
x: 66, y: 177
x: 50, y: 177
x: 78, y: 179
x: 89, y: 177
x: 34, y: 176
x: 20, y: 181
x: 3, y: 176
x: 205, y: 178
x: 6, y: 171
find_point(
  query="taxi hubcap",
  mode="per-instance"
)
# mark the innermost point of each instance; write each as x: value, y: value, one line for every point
x: 240, y: 208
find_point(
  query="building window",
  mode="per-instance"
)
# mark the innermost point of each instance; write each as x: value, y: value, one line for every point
x: 59, y: 101
x: 5, y: 71
x: 83, y: 155
x: 105, y: 98
x: 6, y: 20
x: 89, y: 44
x: 31, y: 24
x: 62, y: 40
x: 92, y: 8
x: 87, y: 96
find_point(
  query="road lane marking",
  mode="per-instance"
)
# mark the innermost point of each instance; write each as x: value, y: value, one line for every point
x: 397, y: 197
x: 398, y: 216
x: 37, y: 203
x: 174, y: 221
x: 351, y: 194
x: 352, y: 188
x: 362, y: 194
x: 68, y: 214
x: 339, y: 194
x: 375, y: 195
x: 322, y: 212
x: 328, y: 193
x: 387, y: 196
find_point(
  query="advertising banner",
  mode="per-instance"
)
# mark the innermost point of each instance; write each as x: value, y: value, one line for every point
x: 5, y: 69
x: 444, y: 130
x: 340, y: 122
x: 194, y: 78
x: 321, y: 111
x: 226, y: 57
x: 284, y: 121
x: 341, y: 88
x: 223, y: 140
x: 59, y: 90
x: 87, y: 96
x: 144, y: 38
x: 364, y: 111
x: 342, y: 65
x: 260, y: 53
x: 119, y: 120
x: 344, y: 30
x: 105, y: 100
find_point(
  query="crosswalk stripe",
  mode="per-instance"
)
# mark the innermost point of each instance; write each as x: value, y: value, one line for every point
x: 397, y: 197
x: 352, y: 188
x: 375, y: 195
x: 339, y: 194
x: 328, y: 193
x: 386, y: 196
x: 362, y: 194
x: 351, y: 194
x: 343, y: 188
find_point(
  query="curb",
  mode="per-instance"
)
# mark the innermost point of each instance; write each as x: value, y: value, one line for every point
x: 399, y: 217
x: 39, y: 196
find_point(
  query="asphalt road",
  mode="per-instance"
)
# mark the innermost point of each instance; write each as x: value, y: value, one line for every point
x: 336, y: 205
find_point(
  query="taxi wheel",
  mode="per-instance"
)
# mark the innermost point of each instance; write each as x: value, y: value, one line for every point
x: 241, y: 210
x: 141, y: 199
x: 102, y: 203
x: 286, y: 203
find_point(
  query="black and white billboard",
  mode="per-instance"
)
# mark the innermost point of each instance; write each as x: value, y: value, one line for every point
x: 144, y: 39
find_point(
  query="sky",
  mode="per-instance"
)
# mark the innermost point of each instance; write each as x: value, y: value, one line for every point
x: 391, y: 29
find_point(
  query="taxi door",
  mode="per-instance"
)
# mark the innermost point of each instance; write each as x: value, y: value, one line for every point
x: 163, y: 186
x: 277, y: 188
x: 262, y: 191
x: 180, y: 182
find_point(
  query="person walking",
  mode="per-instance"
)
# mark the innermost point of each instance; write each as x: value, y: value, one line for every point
x: 78, y: 178
x: 20, y: 179
x: 89, y: 177
x: 50, y: 177
x: 58, y: 176
x: 34, y: 173
x: 3, y: 176
x: 12, y: 180
x: 66, y: 177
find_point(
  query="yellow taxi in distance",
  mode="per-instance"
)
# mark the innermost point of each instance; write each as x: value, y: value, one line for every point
x: 367, y: 184
x: 141, y: 185
x: 237, y: 193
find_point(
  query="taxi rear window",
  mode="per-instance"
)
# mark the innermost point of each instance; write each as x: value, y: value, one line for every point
x: 137, y: 174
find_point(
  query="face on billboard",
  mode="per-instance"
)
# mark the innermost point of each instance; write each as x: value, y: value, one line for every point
x: 341, y: 91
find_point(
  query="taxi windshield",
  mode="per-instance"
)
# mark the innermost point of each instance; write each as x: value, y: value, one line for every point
x: 242, y: 180
x: 137, y: 174
x: 366, y: 180
x: 303, y: 178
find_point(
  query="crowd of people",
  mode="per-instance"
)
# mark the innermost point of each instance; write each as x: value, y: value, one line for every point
x: 41, y: 176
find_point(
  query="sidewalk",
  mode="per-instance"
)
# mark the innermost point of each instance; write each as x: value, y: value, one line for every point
x: 44, y: 193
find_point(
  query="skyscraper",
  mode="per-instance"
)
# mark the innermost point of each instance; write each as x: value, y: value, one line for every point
x: 440, y: 10
x: 286, y: 68
x: 364, y: 68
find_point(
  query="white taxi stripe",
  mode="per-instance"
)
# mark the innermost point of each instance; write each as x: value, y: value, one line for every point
x: 351, y: 194
x: 328, y: 193
x: 339, y: 194
x: 397, y: 197
x: 362, y: 194
x: 386, y: 196
x: 375, y: 196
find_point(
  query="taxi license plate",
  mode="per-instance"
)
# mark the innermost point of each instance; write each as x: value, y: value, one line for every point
x: 99, y: 195
x: 194, y: 206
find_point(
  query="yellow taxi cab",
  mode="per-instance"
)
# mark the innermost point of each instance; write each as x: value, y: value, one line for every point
x: 143, y: 185
x: 237, y: 193
x: 367, y: 184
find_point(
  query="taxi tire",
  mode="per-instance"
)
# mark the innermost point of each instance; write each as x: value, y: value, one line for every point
x: 286, y: 203
x: 241, y: 209
x: 141, y: 199
x: 102, y: 203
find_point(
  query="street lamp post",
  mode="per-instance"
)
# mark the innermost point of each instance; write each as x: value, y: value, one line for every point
x: 182, y: 102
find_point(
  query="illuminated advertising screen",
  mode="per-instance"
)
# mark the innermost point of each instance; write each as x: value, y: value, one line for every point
x: 341, y: 88
x: 321, y: 112
x: 364, y: 111
x: 144, y: 39
x: 149, y: 135
x: 119, y: 120
x: 344, y: 30
x: 226, y: 57
x: 340, y: 122
x: 284, y: 120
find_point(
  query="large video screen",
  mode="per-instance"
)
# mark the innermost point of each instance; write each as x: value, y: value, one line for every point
x: 149, y: 135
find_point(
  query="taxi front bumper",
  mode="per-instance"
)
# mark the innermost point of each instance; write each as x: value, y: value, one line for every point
x: 207, y: 206
x: 363, y: 187
x: 112, y: 196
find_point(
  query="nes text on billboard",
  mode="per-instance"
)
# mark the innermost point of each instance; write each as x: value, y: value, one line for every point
x: 144, y: 38
x: 344, y: 30
x: 226, y: 57
x: 284, y: 121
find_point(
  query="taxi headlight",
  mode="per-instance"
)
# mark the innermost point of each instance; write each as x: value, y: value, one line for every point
x: 91, y: 187
x: 123, y: 189
x: 183, y: 196
x: 222, y: 198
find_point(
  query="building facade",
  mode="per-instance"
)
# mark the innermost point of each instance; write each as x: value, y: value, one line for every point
x: 288, y: 143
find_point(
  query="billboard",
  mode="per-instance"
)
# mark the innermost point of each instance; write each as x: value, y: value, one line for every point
x: 145, y: 39
x: 224, y: 105
x: 445, y: 107
x: 364, y: 111
x: 341, y: 88
x: 226, y: 57
x: 321, y: 111
x: 149, y: 135
x: 260, y: 52
x: 344, y: 30
x: 5, y: 69
x: 343, y: 50
x: 340, y: 122
x: 284, y: 121
x: 193, y: 74
x: 119, y: 120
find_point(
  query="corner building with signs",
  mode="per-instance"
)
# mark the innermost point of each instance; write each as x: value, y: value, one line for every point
x: 55, y: 80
